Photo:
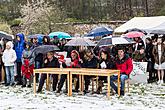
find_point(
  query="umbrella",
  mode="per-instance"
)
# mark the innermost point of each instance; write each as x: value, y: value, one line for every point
x: 135, y: 30
x: 158, y: 32
x: 107, y: 41
x: 5, y: 36
x: 35, y: 36
x: 100, y: 31
x: 60, y: 35
x: 80, y: 42
x: 44, y: 49
x: 134, y: 34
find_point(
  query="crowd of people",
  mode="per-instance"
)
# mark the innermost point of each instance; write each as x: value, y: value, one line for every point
x: 18, y: 53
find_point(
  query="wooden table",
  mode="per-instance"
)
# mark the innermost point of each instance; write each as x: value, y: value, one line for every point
x: 94, y: 72
x: 78, y: 71
x: 51, y: 71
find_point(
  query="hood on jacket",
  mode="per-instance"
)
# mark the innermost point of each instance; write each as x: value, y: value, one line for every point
x: 75, y: 52
x: 21, y: 36
x: 48, y: 40
x: 10, y: 44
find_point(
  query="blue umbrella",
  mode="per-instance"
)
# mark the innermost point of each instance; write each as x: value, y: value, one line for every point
x: 60, y: 35
x: 100, y: 31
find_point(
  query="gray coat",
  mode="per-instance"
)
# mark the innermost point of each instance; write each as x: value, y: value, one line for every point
x: 27, y: 54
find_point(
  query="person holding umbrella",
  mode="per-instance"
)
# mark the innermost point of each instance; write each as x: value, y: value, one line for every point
x: 49, y: 62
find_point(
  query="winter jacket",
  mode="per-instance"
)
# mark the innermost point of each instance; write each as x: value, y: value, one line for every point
x: 90, y: 64
x: 9, y: 56
x: 155, y: 53
x: 148, y: 52
x: 52, y: 64
x: 19, y: 47
x: 110, y: 64
x: 76, y: 62
x: 137, y: 57
x: 27, y: 54
x: 125, y: 65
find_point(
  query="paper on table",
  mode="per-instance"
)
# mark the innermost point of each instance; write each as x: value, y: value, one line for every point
x: 68, y: 61
x: 62, y: 53
x: 103, y: 65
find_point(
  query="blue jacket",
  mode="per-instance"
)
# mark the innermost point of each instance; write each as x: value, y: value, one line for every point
x: 19, y: 47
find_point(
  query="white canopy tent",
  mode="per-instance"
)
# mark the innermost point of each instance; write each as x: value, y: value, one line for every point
x: 148, y: 24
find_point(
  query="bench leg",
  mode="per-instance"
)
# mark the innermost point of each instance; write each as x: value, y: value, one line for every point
x: 108, y: 92
x: 118, y: 83
x: 34, y: 83
x: 70, y: 85
x: 47, y: 82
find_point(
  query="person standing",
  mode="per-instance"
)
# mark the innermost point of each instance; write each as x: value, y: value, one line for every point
x: 27, y: 65
x: 125, y: 65
x: 159, y: 56
x: 19, y: 47
x: 9, y: 57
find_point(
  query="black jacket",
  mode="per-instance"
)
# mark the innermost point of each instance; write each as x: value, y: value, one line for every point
x: 90, y: 64
x: 53, y: 64
x: 109, y: 63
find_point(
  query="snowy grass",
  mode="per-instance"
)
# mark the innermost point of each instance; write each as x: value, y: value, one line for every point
x: 141, y: 96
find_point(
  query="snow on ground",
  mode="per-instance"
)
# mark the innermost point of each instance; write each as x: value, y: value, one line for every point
x: 140, y: 97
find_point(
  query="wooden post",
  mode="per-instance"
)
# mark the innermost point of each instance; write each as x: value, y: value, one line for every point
x: 70, y: 85
x: 108, y: 94
x: 47, y: 82
x: 82, y: 83
x: 34, y: 83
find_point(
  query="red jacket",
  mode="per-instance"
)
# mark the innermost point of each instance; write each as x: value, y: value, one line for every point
x: 125, y: 65
x: 27, y: 69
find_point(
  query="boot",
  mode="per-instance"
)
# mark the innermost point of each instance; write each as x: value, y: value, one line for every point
x: 121, y: 93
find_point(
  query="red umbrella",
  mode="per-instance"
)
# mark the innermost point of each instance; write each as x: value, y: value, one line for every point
x: 134, y: 34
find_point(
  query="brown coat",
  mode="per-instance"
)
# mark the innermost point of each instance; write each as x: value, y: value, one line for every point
x: 155, y: 53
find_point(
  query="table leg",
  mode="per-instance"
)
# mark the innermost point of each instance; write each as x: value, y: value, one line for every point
x: 80, y: 82
x: 108, y: 92
x: 118, y: 83
x: 47, y: 82
x: 70, y: 85
x: 34, y: 83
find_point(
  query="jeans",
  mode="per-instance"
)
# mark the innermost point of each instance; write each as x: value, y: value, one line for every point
x: 9, y: 74
x: 113, y: 78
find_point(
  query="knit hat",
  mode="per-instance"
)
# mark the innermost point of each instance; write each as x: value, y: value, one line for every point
x: 9, y: 43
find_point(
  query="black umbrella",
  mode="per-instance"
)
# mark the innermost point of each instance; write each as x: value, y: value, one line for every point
x: 44, y: 49
x: 5, y: 36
